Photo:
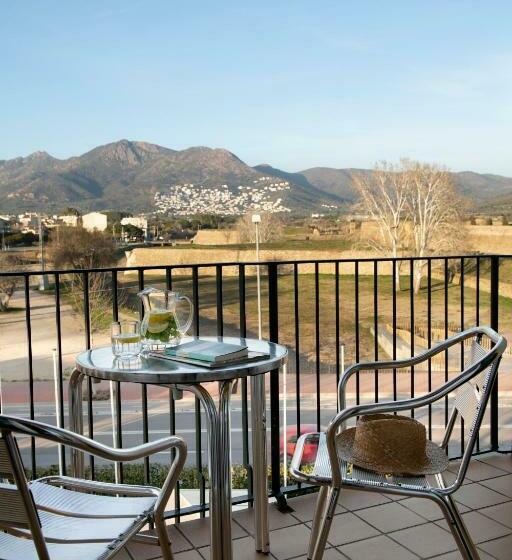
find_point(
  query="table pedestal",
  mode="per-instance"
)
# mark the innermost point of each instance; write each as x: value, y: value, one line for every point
x: 218, y: 424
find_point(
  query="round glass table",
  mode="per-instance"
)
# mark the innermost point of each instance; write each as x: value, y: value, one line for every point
x: 100, y: 363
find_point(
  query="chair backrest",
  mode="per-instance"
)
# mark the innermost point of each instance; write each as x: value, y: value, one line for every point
x: 471, y: 397
x: 17, y: 506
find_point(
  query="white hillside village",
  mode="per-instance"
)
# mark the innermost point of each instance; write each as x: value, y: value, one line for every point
x: 190, y: 199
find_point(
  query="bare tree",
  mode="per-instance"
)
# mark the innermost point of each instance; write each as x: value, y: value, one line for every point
x: 77, y: 248
x: 8, y: 284
x: 383, y: 192
x: 434, y: 210
x: 270, y: 228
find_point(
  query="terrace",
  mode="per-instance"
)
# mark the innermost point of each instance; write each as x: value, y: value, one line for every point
x: 329, y: 314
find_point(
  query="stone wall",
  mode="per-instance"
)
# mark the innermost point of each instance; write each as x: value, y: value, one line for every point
x: 216, y: 237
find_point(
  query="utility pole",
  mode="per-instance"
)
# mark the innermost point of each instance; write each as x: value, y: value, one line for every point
x: 43, y: 282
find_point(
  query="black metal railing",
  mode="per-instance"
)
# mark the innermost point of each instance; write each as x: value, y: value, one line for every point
x: 329, y: 313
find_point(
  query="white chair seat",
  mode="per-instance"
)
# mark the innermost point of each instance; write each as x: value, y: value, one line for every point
x: 82, y: 503
x: 14, y: 548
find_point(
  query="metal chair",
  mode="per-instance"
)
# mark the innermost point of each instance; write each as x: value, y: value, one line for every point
x: 473, y: 388
x: 63, y: 518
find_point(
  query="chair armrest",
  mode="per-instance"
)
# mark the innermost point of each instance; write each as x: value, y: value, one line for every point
x: 76, y: 441
x: 413, y: 360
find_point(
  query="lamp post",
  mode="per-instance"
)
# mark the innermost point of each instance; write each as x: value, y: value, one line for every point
x: 43, y: 282
x: 256, y: 220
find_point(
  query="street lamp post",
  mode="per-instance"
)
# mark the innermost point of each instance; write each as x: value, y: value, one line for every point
x: 256, y: 220
x: 43, y: 282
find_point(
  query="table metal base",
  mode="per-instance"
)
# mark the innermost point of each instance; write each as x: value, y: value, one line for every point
x: 218, y: 424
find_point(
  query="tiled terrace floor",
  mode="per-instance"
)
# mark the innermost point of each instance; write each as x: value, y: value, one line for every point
x: 371, y: 526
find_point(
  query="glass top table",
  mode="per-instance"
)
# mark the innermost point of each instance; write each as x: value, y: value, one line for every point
x: 102, y: 364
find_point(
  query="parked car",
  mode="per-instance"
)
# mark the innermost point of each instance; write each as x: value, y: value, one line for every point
x: 309, y: 454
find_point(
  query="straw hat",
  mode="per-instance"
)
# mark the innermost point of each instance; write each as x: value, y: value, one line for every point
x: 391, y: 444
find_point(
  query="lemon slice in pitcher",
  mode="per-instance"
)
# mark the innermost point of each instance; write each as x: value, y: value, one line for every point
x: 158, y: 321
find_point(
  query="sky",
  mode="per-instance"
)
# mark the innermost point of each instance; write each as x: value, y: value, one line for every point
x: 292, y: 83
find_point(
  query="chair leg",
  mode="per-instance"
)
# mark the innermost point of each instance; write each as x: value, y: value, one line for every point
x: 458, y: 528
x: 163, y: 538
x: 325, y: 524
x: 319, y: 512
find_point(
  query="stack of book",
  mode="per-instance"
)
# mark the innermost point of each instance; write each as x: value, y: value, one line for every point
x: 211, y: 354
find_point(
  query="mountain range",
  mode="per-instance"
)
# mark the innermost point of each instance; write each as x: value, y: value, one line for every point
x: 126, y: 174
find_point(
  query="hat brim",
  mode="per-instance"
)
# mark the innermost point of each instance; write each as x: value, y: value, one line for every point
x: 436, y: 460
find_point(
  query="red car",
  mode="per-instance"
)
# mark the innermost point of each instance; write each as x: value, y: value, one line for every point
x: 309, y: 454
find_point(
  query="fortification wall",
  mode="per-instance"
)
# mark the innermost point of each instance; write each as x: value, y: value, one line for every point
x: 217, y: 237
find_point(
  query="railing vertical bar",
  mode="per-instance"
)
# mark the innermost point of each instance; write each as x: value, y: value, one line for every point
x: 58, y: 327
x: 411, y: 307
x: 197, y: 403
x: 394, y: 288
x: 296, y: 318
x: 376, y: 327
x: 356, y: 321
x: 477, y: 320
x: 117, y: 384
x: 172, y: 412
x: 87, y: 320
x: 275, y: 421
x: 429, y: 339
x: 446, y: 336
x: 218, y: 291
x: 317, y: 346
x: 495, y: 302
x: 337, y: 326
x: 245, y: 413
x: 144, y: 390
x: 462, y: 298
x: 30, y: 363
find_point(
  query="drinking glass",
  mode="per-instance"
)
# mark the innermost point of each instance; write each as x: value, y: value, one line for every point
x: 126, y: 342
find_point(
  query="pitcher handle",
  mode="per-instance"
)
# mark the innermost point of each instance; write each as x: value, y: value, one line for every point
x: 184, y: 328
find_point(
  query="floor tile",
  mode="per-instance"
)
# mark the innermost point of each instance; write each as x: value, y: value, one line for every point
x: 499, y: 548
x: 329, y: 554
x: 188, y: 555
x: 479, y: 470
x: 197, y: 531
x: 304, y: 507
x: 480, y: 528
x: 426, y: 508
x: 425, y: 540
x: 347, y: 527
x: 377, y: 548
x: 499, y: 460
x: 144, y: 551
x: 289, y: 542
x: 390, y: 517
x: 477, y: 496
x: 502, y: 484
x: 456, y: 555
x: 243, y: 549
x: 501, y: 513
x: 276, y: 519
x: 360, y: 499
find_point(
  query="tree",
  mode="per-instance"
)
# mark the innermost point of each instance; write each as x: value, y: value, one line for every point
x: 8, y: 284
x: 416, y: 208
x: 434, y: 210
x: 383, y: 192
x: 70, y: 211
x: 77, y: 248
x: 270, y: 228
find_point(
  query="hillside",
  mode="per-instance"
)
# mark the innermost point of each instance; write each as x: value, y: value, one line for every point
x: 126, y: 175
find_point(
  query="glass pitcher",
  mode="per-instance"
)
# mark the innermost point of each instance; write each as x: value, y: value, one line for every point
x: 161, y: 327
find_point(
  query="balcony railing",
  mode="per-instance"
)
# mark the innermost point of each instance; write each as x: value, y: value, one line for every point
x: 329, y: 313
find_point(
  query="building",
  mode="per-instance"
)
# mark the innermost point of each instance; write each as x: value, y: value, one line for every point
x: 94, y: 221
x: 137, y: 221
x: 70, y: 221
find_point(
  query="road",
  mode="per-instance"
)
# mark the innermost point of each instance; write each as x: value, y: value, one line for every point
x: 46, y: 452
